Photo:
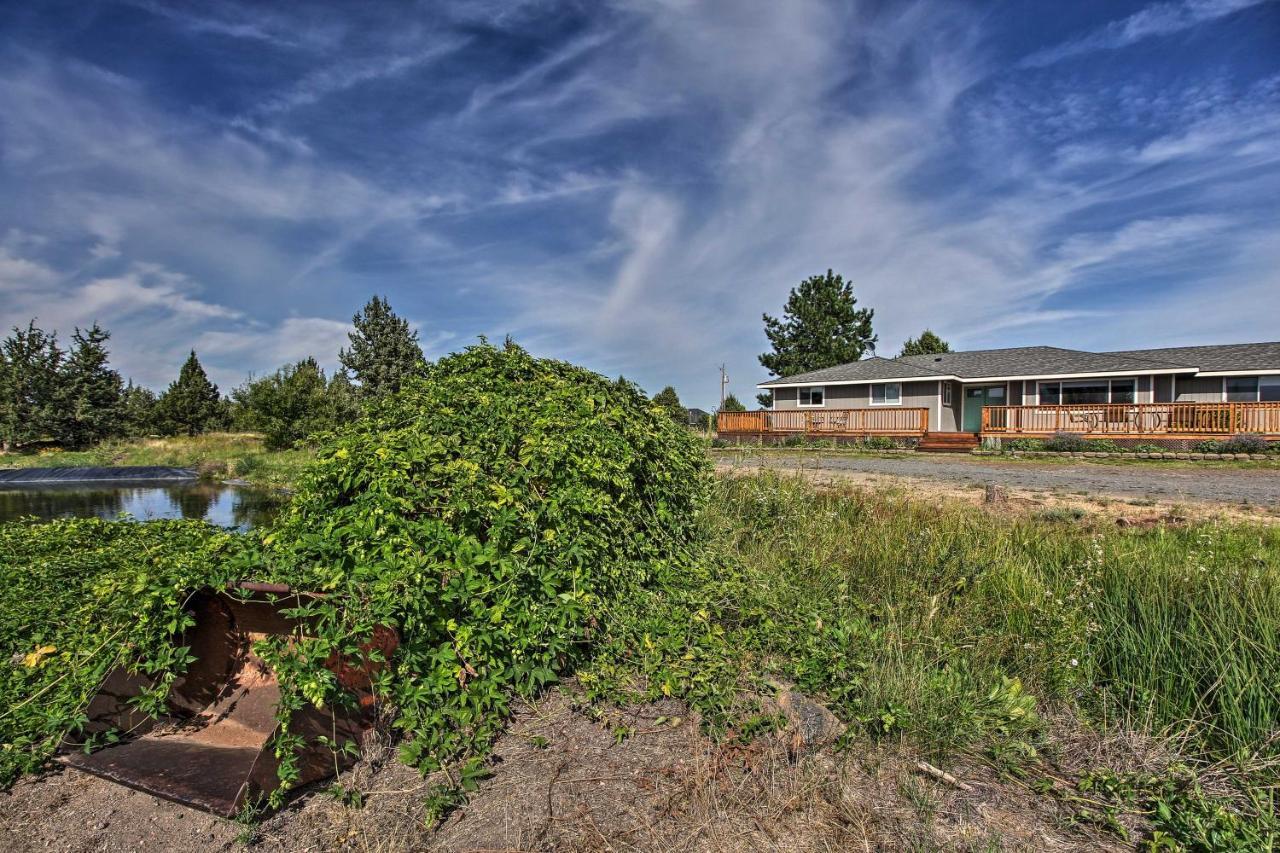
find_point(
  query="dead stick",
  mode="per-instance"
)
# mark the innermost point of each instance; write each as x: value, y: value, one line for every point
x: 942, y: 775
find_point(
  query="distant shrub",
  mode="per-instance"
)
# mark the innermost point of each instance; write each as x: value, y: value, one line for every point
x: 1025, y: 444
x: 1145, y: 447
x: 1103, y: 445
x: 878, y: 442
x: 1066, y: 442
x: 1208, y: 445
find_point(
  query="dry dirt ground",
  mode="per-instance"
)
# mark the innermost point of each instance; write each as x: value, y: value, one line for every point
x: 561, y: 781
x: 1257, y: 484
x: 1139, y: 496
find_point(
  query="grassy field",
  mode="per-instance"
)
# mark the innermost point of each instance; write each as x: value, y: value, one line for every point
x: 953, y: 629
x: 958, y: 629
x: 215, y: 455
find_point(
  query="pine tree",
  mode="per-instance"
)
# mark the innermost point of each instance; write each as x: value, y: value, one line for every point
x: 732, y: 404
x: 384, y: 350
x: 669, y: 400
x: 821, y: 327
x: 29, y: 363
x: 137, y: 410
x: 87, y: 405
x: 191, y: 405
x: 927, y: 344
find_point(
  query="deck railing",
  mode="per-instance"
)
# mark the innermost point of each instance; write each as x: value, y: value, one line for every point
x: 880, y: 421
x: 1135, y: 419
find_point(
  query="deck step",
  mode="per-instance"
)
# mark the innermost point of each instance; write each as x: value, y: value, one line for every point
x: 947, y: 442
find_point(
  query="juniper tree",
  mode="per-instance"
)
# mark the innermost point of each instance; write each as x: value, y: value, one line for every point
x: 384, y: 350
x: 87, y: 401
x: 29, y: 363
x: 191, y: 405
x: 137, y: 410
x: 820, y: 327
x: 927, y: 344
x: 669, y: 400
x: 732, y: 404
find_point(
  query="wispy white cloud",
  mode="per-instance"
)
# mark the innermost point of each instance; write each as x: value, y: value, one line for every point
x: 1158, y: 19
x: 634, y: 188
x: 342, y: 76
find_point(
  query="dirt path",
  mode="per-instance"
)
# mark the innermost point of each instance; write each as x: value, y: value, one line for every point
x: 562, y: 781
x: 1257, y: 487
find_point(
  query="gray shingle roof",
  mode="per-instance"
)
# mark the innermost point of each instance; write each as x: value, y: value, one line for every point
x: 1215, y: 359
x: 1036, y: 361
x: 867, y: 370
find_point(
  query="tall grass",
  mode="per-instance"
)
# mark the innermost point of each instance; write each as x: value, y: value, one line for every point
x: 938, y: 620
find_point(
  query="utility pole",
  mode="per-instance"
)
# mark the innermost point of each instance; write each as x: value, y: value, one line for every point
x: 724, y: 383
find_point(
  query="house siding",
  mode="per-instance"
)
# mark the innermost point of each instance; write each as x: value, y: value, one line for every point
x: 1200, y: 389
x: 923, y: 395
x: 948, y: 416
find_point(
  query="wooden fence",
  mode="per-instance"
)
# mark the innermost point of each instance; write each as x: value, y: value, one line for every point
x: 826, y: 422
x: 1134, y: 419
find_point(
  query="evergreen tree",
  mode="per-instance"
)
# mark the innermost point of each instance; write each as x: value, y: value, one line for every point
x: 821, y: 327
x: 29, y: 365
x: 87, y: 405
x: 732, y: 404
x: 765, y: 399
x: 384, y: 350
x: 191, y: 405
x: 669, y: 400
x: 927, y: 344
x: 137, y: 410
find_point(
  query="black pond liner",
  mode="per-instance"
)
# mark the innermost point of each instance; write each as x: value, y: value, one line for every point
x: 130, y: 473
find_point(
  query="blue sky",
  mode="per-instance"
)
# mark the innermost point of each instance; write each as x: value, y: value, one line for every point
x: 629, y: 185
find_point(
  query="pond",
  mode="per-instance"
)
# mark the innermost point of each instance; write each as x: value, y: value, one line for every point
x: 216, y: 503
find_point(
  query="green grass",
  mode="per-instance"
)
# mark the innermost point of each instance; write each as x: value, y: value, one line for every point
x: 942, y: 609
x: 215, y: 455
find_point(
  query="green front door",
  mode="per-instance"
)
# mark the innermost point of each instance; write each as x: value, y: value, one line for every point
x: 975, y: 397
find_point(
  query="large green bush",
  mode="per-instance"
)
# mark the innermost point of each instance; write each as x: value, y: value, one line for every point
x: 493, y: 513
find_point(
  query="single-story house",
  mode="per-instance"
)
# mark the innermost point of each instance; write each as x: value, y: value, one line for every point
x: 697, y: 417
x: 1040, y: 390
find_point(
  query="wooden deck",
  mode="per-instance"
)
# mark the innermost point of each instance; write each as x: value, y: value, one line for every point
x: 1135, y: 420
x: 828, y: 423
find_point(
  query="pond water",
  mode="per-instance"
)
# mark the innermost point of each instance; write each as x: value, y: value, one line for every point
x: 223, y: 505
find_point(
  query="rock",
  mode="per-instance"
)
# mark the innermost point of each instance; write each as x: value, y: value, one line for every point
x: 811, y: 724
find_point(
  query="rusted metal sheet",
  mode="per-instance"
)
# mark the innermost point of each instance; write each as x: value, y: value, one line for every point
x: 212, y: 750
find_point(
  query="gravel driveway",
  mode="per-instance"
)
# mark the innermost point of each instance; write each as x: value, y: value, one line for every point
x: 1260, y: 487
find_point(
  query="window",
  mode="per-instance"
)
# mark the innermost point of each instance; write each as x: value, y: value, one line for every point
x: 886, y: 394
x: 1122, y: 390
x: 1084, y: 392
x: 812, y: 396
x: 1269, y: 389
x: 946, y: 393
x: 1241, y: 389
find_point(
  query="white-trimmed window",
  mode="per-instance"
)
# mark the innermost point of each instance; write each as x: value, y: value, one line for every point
x: 812, y: 396
x: 1086, y: 392
x: 1251, y: 389
x: 946, y: 393
x: 886, y: 394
